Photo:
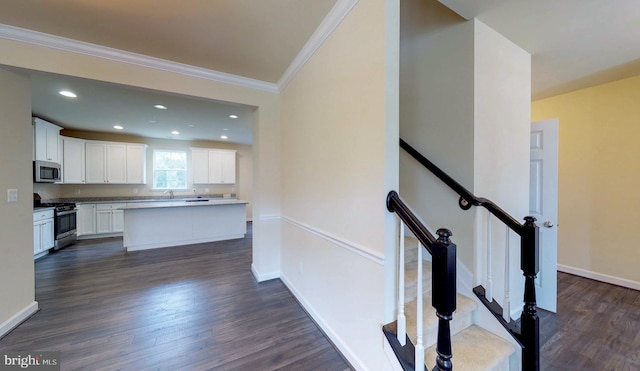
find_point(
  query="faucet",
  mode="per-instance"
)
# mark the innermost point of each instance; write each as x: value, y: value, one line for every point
x: 170, y: 192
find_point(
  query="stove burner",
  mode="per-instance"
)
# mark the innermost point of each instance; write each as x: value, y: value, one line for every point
x: 59, y: 206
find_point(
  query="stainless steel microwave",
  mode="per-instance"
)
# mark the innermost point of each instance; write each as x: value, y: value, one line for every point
x: 46, y: 172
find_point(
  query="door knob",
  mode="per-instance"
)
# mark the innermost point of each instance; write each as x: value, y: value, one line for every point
x: 548, y: 224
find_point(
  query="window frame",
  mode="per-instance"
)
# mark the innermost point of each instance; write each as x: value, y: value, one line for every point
x: 154, y: 186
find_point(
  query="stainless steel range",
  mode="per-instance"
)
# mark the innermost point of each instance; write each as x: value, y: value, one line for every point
x: 64, y: 222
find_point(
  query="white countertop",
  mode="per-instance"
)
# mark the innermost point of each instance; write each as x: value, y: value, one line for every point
x: 182, y: 203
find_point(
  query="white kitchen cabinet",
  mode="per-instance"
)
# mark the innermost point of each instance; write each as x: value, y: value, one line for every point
x: 95, y: 162
x: 43, y: 238
x: 109, y: 219
x: 200, y: 165
x: 73, y: 161
x: 46, y: 141
x: 213, y: 166
x: 228, y: 171
x: 136, y: 164
x: 86, y: 219
x: 115, y: 163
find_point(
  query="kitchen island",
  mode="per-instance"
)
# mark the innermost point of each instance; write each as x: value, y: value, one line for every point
x: 151, y: 225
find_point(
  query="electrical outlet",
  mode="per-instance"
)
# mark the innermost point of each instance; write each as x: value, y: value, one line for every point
x: 12, y: 195
x: 135, y: 191
x: 206, y: 190
x: 77, y: 191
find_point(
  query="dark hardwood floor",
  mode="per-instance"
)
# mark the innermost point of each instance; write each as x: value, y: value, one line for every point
x: 597, y: 327
x: 185, y: 308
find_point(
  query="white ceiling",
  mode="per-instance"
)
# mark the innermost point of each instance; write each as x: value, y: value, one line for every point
x: 100, y: 106
x: 574, y: 44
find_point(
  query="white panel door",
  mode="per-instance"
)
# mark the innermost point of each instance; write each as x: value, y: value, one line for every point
x: 543, y: 205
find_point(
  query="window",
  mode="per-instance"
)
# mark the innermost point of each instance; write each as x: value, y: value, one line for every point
x: 169, y: 169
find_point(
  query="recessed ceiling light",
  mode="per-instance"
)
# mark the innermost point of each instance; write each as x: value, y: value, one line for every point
x: 160, y: 106
x: 118, y: 127
x: 233, y: 116
x: 175, y: 132
x: 152, y: 121
x: 225, y: 129
x: 190, y: 126
x: 223, y: 137
x: 68, y: 94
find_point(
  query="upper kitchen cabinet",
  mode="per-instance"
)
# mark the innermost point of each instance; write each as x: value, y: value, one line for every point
x: 115, y: 163
x: 213, y: 166
x: 46, y: 141
x: 73, y: 160
x: 137, y: 163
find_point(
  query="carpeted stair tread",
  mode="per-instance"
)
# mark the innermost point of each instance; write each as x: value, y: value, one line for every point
x: 475, y: 349
x: 462, y: 318
x: 410, y: 249
x: 411, y: 279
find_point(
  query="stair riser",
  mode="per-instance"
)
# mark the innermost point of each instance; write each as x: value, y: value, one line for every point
x: 411, y: 289
x: 430, y: 333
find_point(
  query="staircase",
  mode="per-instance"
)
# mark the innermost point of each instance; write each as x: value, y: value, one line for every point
x: 473, y: 347
x: 450, y: 335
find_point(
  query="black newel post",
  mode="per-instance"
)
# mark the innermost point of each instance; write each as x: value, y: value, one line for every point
x: 444, y: 295
x: 530, y: 325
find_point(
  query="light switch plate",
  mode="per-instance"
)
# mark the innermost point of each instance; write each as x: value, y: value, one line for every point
x: 12, y: 195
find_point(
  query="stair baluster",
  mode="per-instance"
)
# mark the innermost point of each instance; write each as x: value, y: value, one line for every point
x: 402, y: 319
x: 506, y: 306
x: 419, y: 353
x: 489, y: 288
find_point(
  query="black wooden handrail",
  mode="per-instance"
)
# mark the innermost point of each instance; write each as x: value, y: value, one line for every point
x: 443, y: 283
x: 395, y: 204
x: 467, y: 199
x: 527, y: 329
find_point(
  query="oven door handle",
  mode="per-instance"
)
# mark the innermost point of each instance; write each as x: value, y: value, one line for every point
x: 63, y: 213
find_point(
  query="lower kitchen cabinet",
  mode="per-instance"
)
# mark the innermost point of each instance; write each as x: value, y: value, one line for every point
x: 43, y: 238
x: 86, y: 219
x: 98, y: 220
x: 109, y: 218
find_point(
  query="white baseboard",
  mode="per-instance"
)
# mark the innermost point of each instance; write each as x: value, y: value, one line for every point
x: 18, y: 318
x: 261, y: 277
x: 600, y: 277
x: 335, y: 338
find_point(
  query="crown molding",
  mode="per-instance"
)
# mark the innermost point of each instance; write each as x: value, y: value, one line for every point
x: 326, y: 28
x: 98, y: 51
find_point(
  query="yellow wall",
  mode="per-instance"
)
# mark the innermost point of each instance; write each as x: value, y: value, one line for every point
x: 339, y: 120
x: 599, y: 173
x: 16, y: 219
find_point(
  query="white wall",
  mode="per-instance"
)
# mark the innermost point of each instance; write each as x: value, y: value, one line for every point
x: 464, y: 104
x: 17, y: 286
x: 502, y: 90
x: 437, y: 117
x: 339, y: 160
